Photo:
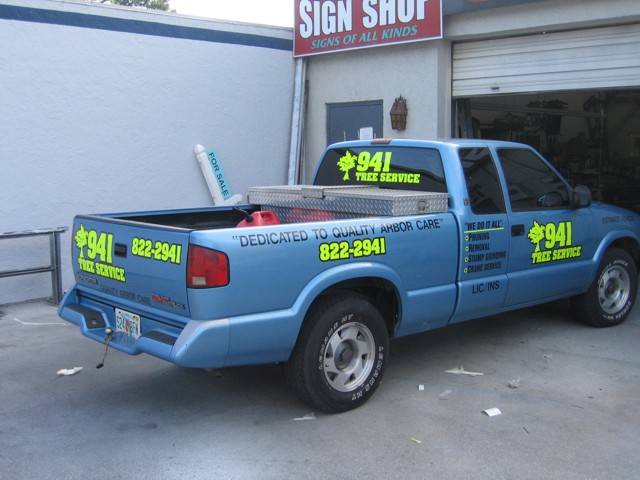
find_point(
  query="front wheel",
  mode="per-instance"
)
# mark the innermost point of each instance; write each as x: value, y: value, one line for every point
x: 612, y: 294
x: 340, y: 355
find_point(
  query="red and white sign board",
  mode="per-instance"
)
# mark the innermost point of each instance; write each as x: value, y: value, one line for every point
x: 323, y: 26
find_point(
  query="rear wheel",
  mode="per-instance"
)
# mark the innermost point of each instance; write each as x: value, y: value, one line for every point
x: 612, y: 294
x: 340, y: 355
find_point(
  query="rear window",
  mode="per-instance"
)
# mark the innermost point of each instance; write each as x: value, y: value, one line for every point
x: 400, y: 168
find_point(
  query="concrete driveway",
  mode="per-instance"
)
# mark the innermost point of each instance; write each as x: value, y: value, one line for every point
x: 573, y: 415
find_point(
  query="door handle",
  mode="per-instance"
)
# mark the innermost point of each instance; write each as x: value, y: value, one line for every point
x: 517, y: 230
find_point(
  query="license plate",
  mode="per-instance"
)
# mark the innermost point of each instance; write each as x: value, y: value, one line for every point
x: 127, y: 323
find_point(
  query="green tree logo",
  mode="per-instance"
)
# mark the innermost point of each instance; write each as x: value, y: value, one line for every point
x: 536, y: 235
x: 346, y: 163
x: 81, y: 239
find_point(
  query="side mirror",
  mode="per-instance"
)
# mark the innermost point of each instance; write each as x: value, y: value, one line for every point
x: 581, y: 197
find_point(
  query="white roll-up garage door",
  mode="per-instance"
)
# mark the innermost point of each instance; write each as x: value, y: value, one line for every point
x: 574, y: 60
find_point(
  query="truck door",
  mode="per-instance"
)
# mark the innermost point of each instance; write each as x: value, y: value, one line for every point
x: 484, y: 233
x: 551, y: 243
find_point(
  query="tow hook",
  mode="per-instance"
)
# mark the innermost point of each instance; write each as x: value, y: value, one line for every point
x: 108, y: 337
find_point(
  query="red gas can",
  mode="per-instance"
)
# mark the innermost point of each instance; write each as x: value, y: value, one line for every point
x: 257, y: 219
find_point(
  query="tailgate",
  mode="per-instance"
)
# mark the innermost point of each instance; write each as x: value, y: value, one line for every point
x: 130, y: 263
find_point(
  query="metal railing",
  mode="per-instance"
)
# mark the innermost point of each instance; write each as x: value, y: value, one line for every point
x: 54, y: 255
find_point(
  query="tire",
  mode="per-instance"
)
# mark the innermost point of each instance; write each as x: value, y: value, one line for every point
x: 341, y: 354
x: 612, y: 294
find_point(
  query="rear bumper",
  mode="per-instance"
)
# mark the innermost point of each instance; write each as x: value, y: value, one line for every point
x: 200, y: 344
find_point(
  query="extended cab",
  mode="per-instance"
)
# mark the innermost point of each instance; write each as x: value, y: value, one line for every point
x: 394, y: 237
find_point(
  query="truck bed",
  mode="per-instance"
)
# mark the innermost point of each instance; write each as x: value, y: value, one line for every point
x: 300, y: 204
x: 191, y: 219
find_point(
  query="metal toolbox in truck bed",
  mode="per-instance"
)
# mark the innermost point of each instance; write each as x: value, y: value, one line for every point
x: 349, y: 201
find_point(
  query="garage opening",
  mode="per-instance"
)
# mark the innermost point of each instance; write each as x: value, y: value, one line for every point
x: 592, y: 137
x: 573, y: 95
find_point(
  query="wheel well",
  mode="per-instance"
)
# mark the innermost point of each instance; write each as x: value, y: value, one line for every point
x: 381, y: 293
x: 630, y: 245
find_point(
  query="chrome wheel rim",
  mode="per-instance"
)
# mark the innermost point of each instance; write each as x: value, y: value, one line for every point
x: 349, y: 357
x: 614, y: 289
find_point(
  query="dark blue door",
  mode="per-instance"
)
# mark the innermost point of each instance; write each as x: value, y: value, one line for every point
x: 344, y: 120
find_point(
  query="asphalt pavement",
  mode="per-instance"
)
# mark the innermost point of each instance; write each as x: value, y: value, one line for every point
x: 568, y: 398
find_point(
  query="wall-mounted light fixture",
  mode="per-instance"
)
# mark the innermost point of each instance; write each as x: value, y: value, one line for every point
x: 399, y: 113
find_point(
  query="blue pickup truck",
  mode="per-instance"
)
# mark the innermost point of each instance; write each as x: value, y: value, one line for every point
x: 393, y: 238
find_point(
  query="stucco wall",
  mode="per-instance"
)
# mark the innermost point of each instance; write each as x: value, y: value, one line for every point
x: 416, y: 71
x: 97, y: 118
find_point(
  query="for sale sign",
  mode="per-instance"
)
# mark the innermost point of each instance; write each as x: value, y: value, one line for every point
x: 323, y: 26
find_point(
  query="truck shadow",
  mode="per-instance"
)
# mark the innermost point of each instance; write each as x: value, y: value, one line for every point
x: 261, y: 392
x: 469, y: 342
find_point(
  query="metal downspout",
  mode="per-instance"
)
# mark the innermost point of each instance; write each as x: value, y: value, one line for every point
x: 297, y: 117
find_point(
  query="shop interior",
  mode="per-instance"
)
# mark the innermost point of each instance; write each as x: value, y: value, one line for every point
x: 592, y: 137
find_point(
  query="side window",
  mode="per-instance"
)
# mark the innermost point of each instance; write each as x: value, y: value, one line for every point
x: 483, y: 184
x: 532, y: 184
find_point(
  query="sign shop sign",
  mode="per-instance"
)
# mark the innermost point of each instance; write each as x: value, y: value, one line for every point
x: 323, y: 26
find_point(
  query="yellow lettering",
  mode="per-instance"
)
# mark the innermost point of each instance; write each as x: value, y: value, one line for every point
x: 86, y: 265
x: 400, y: 177
x: 109, y: 271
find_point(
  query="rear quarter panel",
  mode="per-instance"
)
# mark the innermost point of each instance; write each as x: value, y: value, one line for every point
x: 276, y: 272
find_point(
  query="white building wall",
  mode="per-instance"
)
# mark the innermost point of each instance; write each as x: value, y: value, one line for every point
x: 540, y: 17
x: 96, y: 120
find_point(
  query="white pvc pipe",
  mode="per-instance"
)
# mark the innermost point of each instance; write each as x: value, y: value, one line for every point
x: 297, y: 117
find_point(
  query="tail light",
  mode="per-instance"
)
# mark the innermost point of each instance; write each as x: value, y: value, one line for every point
x: 206, y: 268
